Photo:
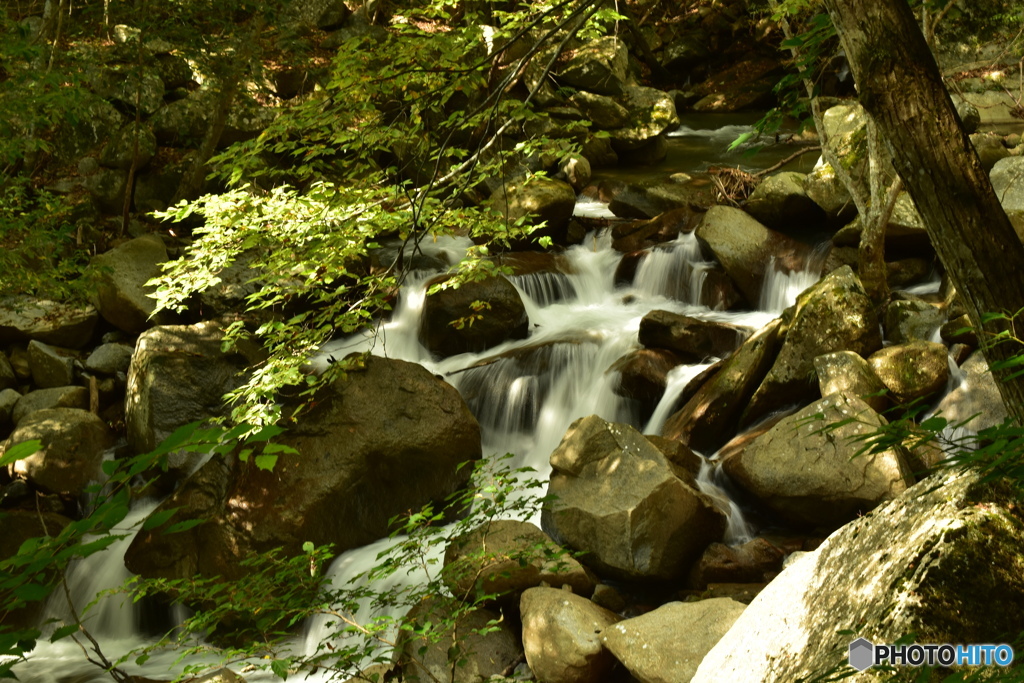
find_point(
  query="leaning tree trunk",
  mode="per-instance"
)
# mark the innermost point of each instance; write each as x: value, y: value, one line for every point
x: 899, y: 85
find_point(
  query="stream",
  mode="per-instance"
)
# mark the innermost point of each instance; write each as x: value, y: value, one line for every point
x: 525, y: 393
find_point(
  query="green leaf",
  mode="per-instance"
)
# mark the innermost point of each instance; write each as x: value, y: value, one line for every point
x: 934, y: 424
x: 280, y: 668
x: 32, y: 592
x: 185, y: 525
x: 266, y: 462
x: 158, y: 518
x: 63, y: 632
x: 20, y: 452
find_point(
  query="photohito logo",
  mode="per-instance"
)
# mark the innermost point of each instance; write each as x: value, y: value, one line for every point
x: 864, y: 654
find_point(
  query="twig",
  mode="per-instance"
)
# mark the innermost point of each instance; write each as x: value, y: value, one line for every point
x: 791, y: 157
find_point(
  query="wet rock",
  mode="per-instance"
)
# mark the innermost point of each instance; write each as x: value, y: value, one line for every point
x: 667, y: 645
x: 72, y: 446
x: 756, y: 561
x: 686, y: 463
x: 692, y: 338
x: 505, y: 318
x: 915, y: 370
x: 746, y: 248
x: 642, y: 374
x: 43, y: 399
x: 665, y: 227
x: 598, y: 67
x: 959, y: 330
x: 386, y: 439
x: 812, y: 476
x: 51, y: 367
x: 927, y: 563
x: 847, y: 373
x: 710, y: 417
x: 781, y: 203
x: 507, y: 557
x: 575, y: 170
x: 562, y: 637
x: 610, y: 485
x: 833, y: 315
x: 540, y: 199
x: 122, y: 297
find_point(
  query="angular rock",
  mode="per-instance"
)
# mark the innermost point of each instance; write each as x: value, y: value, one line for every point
x: 915, y: 370
x: 507, y: 557
x: 756, y: 561
x: 43, y: 399
x: 911, y: 320
x: 602, y: 111
x: 833, y: 315
x: 692, y: 338
x: 928, y: 563
x: 977, y: 395
x: 25, y: 318
x: 504, y: 319
x: 72, y: 446
x: 109, y: 359
x: 847, y: 373
x: 562, y: 637
x: 122, y: 297
x: 642, y: 374
x: 813, y: 476
x: 710, y: 417
x: 51, y: 367
x: 386, y: 439
x: 665, y: 227
x: 781, y: 203
x: 668, y: 644
x: 618, y: 499
x: 599, y: 67
x: 746, y: 248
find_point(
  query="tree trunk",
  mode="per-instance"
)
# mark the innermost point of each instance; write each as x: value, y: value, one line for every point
x: 899, y: 84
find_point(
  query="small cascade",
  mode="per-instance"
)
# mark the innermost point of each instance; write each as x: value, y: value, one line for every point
x: 781, y: 287
x: 676, y: 381
x: 713, y: 483
x: 676, y: 271
x: 545, y: 288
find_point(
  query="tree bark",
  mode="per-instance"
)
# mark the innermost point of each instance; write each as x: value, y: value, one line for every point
x: 900, y: 86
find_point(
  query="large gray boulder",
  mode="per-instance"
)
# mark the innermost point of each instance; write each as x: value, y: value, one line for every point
x: 122, y: 297
x: 72, y: 446
x: 562, y: 637
x: 847, y: 373
x: 668, y: 644
x: 25, y: 318
x: 1007, y: 178
x: 386, y: 439
x: 930, y: 563
x: 693, y: 339
x: 617, y: 498
x: 651, y: 113
x: 911, y: 371
x: 747, y: 249
x: 51, y: 366
x: 781, y: 203
x: 538, y: 200
x: 598, y: 67
x: 57, y: 397
x: 178, y: 375
x: 442, y: 333
x: 833, y: 315
x: 814, y: 476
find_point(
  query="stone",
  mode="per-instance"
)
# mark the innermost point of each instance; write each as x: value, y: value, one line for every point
x: 977, y: 395
x: 562, y: 637
x: 505, y: 318
x: 990, y: 148
x: 756, y: 561
x: 387, y: 438
x: 122, y: 296
x: 824, y: 188
x: 539, y: 199
x: 107, y: 188
x: 16, y: 527
x: 598, y: 67
x: 51, y: 367
x: 1007, y: 176
x: 651, y: 114
x: 742, y: 85
x: 120, y: 151
x: 73, y: 443
x: 781, y: 203
x: 747, y: 249
x: 57, y: 397
x: 847, y: 373
x: 911, y: 371
x: 833, y: 315
x: 605, y: 113
x: 814, y: 476
x: 109, y: 359
x: 182, y: 123
x: 642, y: 374
x: 911, y: 320
x: 970, y: 118
x: 927, y: 563
x: 711, y: 416
x: 616, y: 497
x: 8, y: 378
x: 693, y: 339
x: 25, y: 318
x: 667, y: 644
x: 96, y: 120
x: 8, y: 399
x: 665, y: 227
x: 508, y: 557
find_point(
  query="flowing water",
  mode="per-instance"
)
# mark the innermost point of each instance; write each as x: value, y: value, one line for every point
x: 525, y: 393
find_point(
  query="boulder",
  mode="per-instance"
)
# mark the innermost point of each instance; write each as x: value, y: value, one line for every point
x: 182, y: 123
x: 508, y: 557
x: 25, y: 318
x: 51, y: 366
x: 824, y: 188
x: 387, y: 438
x: 537, y: 199
x: 73, y: 443
x: 847, y: 373
x: 990, y: 148
x: 598, y: 67
x: 121, y: 149
x: 642, y: 374
x: 693, y: 339
x: 667, y: 644
x: 747, y: 249
x: 562, y: 637
x: 603, y: 112
x: 904, y: 233
x: 480, y: 644
x: 977, y: 395
x: 57, y: 397
x: 665, y: 227
x: 814, y: 476
x: 651, y: 114
x: 441, y: 331
x: 1007, y: 176
x: 833, y: 315
x: 781, y: 203
x: 178, y: 375
x: 109, y: 359
x: 8, y: 378
x: 909, y: 320
x: 756, y: 561
x: 710, y: 417
x: 94, y: 122
x: 616, y: 497
x: 744, y: 85
x: 928, y: 563
x: 122, y: 297
x: 911, y: 371
x: 8, y: 399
